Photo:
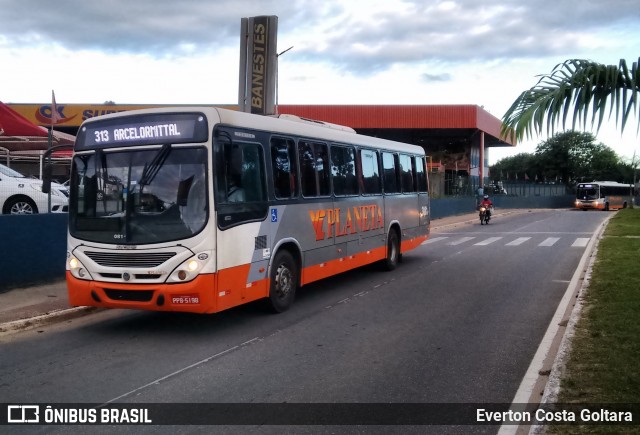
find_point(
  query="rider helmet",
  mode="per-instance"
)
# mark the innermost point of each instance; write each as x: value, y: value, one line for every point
x: 486, y: 197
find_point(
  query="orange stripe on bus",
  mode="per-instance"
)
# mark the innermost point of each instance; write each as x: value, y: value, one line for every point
x: 409, y: 244
x: 334, y: 267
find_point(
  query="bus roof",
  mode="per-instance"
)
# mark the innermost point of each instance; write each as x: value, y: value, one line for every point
x: 281, y: 125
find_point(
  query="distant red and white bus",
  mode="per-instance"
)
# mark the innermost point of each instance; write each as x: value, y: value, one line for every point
x: 603, y: 195
x: 203, y: 209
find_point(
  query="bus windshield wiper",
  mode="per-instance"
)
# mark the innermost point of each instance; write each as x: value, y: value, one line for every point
x: 151, y: 170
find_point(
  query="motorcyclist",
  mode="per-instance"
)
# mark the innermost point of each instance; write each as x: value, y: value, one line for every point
x: 486, y: 203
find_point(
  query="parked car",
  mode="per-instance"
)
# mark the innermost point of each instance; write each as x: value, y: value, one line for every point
x: 23, y: 195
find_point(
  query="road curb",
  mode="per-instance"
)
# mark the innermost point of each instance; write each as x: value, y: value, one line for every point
x: 45, y: 319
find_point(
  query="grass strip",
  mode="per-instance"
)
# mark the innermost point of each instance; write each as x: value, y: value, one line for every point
x: 604, y: 362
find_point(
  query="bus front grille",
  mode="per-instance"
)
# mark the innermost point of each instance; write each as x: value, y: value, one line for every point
x: 129, y: 259
x: 129, y: 295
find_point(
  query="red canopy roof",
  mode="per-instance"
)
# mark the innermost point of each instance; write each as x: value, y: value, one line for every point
x: 17, y: 133
x: 14, y: 124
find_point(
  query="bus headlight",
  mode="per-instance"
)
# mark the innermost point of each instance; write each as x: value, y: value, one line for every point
x: 77, y: 269
x: 188, y: 270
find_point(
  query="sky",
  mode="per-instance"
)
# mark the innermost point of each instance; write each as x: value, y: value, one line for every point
x: 344, y: 51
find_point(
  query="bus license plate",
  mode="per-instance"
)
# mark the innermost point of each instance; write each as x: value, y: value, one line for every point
x: 185, y: 299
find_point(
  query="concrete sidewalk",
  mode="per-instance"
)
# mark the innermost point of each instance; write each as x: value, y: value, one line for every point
x: 26, y: 308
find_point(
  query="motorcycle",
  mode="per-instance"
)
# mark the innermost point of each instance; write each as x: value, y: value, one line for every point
x: 484, y: 215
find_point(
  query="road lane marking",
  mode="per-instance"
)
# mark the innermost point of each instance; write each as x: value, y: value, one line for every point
x: 488, y: 241
x: 184, y: 369
x: 460, y: 241
x: 435, y: 239
x: 549, y: 241
x: 580, y: 242
x: 518, y: 241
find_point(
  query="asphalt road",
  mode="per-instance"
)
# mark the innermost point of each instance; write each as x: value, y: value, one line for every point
x: 458, y: 321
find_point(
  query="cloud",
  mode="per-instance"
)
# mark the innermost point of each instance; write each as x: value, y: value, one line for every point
x: 359, y: 36
x: 142, y: 26
x: 429, y: 78
x: 466, y: 30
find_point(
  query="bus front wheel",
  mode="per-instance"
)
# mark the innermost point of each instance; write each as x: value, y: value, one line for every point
x: 284, y: 281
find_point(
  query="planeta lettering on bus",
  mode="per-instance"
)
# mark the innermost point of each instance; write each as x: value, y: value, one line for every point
x: 327, y: 222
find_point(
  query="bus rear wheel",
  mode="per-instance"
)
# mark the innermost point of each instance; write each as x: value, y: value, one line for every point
x: 393, y: 250
x: 283, y: 282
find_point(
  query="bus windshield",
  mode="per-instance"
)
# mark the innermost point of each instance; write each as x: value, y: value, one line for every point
x: 139, y: 196
x: 589, y: 192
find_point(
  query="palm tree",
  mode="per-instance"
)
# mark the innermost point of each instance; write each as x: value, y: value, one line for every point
x: 577, y: 85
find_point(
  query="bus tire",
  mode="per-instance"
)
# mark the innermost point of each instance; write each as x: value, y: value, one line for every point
x: 393, y: 250
x: 283, y: 282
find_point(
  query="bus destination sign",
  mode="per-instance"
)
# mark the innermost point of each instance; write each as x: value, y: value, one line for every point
x: 158, y: 129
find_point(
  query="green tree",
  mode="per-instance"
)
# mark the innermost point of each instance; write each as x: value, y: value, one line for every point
x: 576, y: 156
x: 576, y: 87
x: 514, y: 167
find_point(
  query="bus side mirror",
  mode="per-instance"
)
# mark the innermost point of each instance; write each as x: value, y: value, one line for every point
x: 47, y: 175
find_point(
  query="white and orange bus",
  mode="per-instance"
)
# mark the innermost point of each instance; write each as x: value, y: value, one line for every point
x: 203, y: 209
x: 602, y: 195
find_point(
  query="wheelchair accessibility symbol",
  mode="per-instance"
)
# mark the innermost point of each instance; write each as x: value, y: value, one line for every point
x: 274, y: 215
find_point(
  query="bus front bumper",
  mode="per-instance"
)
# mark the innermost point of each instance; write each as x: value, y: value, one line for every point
x: 195, y: 296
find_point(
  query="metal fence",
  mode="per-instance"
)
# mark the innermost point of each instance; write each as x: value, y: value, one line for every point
x: 531, y: 189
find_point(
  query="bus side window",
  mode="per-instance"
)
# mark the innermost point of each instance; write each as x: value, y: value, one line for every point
x: 406, y: 173
x: 244, y: 173
x: 253, y: 175
x: 370, y: 168
x: 421, y: 175
x: 343, y: 170
x: 314, y: 169
x: 283, y: 161
x: 390, y: 173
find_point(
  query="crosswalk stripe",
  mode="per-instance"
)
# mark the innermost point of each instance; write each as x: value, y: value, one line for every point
x: 460, y: 241
x: 518, y: 241
x: 435, y: 239
x: 549, y: 241
x: 488, y: 241
x: 580, y: 242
